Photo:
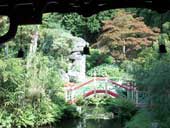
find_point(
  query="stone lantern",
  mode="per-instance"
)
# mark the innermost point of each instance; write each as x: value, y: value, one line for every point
x: 77, y: 69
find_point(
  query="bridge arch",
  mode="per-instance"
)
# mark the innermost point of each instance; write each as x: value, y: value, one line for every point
x: 97, y: 85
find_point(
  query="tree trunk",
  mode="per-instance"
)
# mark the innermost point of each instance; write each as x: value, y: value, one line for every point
x: 124, y: 49
x: 6, y: 50
x: 33, y: 47
x: 34, y: 42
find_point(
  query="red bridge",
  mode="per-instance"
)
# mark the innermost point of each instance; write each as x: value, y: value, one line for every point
x: 99, y: 85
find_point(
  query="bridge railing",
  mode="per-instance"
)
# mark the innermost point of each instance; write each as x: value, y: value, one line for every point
x: 125, y: 86
x: 72, y: 90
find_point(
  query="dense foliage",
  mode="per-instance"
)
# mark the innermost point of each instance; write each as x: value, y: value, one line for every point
x: 25, y: 97
x: 123, y: 109
x: 31, y: 87
x: 105, y: 70
x: 151, y: 71
x: 87, y: 28
x: 142, y: 119
x: 97, y: 58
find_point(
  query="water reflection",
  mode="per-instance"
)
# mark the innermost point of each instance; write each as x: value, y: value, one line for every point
x: 90, y: 123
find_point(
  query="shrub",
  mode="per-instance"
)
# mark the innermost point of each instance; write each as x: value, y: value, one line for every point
x: 122, y: 108
x: 5, y: 119
x: 32, y: 96
x: 141, y: 120
x: 106, y: 70
x: 70, y: 112
x: 98, y: 58
x: 80, y: 101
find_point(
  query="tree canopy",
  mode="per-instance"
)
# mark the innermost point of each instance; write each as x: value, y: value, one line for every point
x: 125, y: 35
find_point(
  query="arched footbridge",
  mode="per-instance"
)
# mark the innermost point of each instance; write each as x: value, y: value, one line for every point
x: 106, y: 86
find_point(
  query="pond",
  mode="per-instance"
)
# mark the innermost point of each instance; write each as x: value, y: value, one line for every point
x: 89, y: 123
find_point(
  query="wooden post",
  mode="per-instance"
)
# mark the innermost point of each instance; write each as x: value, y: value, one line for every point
x: 106, y: 86
x: 128, y: 95
x: 124, y: 49
x: 71, y: 97
x: 6, y: 50
x: 137, y: 94
x: 66, y: 94
x: 132, y: 98
x: 128, y: 92
x: 95, y: 84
